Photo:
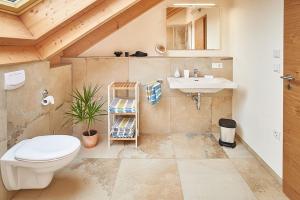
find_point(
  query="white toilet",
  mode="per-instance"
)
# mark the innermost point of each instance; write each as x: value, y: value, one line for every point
x: 31, y: 163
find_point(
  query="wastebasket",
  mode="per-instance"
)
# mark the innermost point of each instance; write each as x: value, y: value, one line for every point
x: 227, y: 135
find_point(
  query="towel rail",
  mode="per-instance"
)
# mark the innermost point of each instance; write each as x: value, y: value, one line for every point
x: 159, y: 81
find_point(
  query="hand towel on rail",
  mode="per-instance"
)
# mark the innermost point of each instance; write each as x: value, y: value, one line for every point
x: 153, y: 91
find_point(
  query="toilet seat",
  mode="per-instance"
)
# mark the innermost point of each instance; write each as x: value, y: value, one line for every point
x: 47, y: 148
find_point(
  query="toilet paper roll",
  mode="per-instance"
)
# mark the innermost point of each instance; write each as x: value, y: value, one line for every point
x: 48, y: 100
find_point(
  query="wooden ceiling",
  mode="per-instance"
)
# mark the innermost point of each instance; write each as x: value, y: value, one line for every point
x: 51, y: 29
x: 16, y: 7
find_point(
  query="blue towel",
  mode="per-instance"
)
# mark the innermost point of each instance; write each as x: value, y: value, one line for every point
x: 122, y: 106
x: 124, y: 127
x: 153, y: 91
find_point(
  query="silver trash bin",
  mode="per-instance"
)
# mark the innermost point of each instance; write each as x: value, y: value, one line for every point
x: 227, y: 133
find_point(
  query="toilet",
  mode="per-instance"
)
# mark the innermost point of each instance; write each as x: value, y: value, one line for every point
x: 31, y: 163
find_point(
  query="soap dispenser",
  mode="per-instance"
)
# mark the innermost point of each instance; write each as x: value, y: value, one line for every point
x: 177, y: 73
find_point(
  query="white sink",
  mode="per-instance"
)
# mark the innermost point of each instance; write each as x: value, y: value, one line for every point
x: 200, y: 85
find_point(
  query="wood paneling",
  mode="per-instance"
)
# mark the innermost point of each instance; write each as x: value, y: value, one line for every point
x: 109, y: 27
x: 52, y: 28
x: 49, y: 16
x: 13, y: 55
x: 17, y: 8
x: 41, y: 20
x: 82, y: 26
x: 291, y: 160
x: 12, y: 27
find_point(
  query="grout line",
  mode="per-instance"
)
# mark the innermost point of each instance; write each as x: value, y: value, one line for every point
x: 179, y: 177
x: 116, y: 179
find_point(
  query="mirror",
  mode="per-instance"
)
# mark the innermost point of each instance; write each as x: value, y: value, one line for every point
x: 190, y: 28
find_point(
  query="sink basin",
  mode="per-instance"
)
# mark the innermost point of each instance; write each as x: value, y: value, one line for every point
x: 200, y: 85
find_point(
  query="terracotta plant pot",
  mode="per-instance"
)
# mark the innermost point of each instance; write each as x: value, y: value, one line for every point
x: 90, y: 141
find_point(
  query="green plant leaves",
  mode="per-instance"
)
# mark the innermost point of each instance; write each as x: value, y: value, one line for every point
x: 85, y: 107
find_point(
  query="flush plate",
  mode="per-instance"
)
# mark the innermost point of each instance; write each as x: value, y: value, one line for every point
x: 217, y: 65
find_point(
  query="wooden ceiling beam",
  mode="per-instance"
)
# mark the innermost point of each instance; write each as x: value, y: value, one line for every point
x: 109, y: 27
x: 82, y: 26
x: 18, y: 54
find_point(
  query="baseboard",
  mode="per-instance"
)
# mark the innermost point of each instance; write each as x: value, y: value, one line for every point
x: 261, y: 161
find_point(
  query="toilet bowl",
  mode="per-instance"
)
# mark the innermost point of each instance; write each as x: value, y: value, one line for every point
x: 31, y: 163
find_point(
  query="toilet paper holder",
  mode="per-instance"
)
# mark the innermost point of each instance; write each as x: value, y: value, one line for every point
x: 46, y: 99
x: 45, y: 93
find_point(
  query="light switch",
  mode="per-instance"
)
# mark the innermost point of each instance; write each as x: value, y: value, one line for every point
x: 276, y: 53
x: 277, y: 68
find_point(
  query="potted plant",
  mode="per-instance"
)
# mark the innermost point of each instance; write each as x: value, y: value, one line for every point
x: 86, y: 109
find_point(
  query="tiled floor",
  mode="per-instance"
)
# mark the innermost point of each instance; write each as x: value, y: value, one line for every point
x: 188, y: 166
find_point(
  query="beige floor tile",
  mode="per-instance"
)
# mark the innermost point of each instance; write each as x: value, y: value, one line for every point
x: 27, y: 195
x: 212, y: 180
x: 196, y: 146
x: 151, y: 172
x: 261, y: 182
x: 150, y: 146
x: 86, y: 179
x: 240, y: 151
x: 102, y: 150
x: 147, y: 179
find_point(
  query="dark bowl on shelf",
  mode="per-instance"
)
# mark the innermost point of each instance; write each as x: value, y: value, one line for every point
x: 118, y: 53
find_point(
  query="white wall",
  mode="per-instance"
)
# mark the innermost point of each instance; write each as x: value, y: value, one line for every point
x: 149, y: 29
x: 257, y: 29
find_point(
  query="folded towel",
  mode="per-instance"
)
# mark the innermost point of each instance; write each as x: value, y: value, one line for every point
x: 153, y: 91
x: 124, y: 127
x: 122, y: 106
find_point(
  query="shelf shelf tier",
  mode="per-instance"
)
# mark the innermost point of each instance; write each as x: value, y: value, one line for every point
x: 122, y: 139
x: 124, y: 85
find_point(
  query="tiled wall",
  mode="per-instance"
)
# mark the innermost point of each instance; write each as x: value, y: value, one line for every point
x: 176, y: 111
x: 21, y: 113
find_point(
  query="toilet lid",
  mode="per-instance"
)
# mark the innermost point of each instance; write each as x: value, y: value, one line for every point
x: 44, y: 148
